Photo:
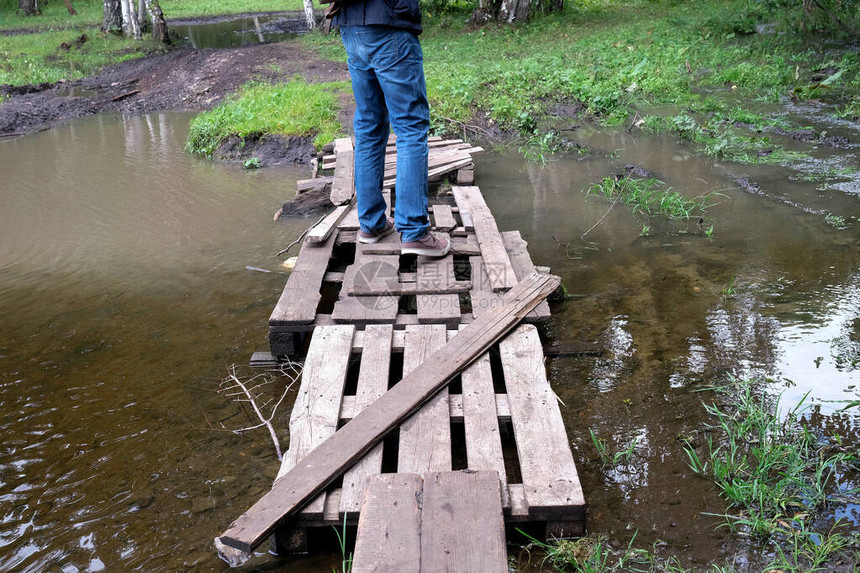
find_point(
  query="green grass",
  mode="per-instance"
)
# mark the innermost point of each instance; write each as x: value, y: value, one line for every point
x: 292, y: 108
x: 89, y: 12
x: 37, y: 58
x: 781, y: 481
x: 647, y: 198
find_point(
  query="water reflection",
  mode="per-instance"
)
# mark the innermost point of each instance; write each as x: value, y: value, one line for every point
x: 229, y: 32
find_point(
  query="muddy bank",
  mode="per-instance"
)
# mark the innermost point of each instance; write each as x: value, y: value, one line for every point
x: 182, y: 79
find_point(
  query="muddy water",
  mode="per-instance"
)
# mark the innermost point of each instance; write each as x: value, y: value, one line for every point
x: 234, y: 31
x: 125, y: 291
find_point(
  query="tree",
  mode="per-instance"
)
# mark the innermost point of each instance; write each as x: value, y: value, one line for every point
x: 510, y: 11
x: 28, y: 7
x: 112, y: 20
x: 309, y: 14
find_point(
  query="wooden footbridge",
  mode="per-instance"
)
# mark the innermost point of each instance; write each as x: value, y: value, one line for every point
x: 424, y: 413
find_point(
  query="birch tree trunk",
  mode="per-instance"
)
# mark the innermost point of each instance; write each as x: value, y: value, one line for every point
x: 142, y: 19
x: 159, y: 25
x: 112, y: 16
x: 130, y: 25
x: 309, y: 14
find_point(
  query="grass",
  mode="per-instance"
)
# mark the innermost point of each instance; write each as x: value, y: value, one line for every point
x: 780, y: 480
x: 54, y: 15
x: 37, y: 58
x: 292, y: 108
x: 609, y: 459
x: 649, y: 199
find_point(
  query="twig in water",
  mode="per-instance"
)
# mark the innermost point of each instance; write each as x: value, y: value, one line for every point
x: 234, y: 387
x: 302, y: 236
x: 617, y: 197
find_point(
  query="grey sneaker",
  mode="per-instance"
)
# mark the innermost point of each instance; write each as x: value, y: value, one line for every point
x: 429, y: 245
x: 374, y: 236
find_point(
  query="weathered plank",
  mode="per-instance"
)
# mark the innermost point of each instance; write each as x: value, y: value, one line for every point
x: 443, y: 217
x: 317, y: 408
x: 481, y: 421
x: 521, y: 261
x: 483, y: 298
x: 425, y: 438
x: 350, y: 221
x: 455, y: 404
x: 330, y: 459
x: 402, y: 288
x: 343, y: 185
x: 320, y: 183
x: 462, y: 526
x: 550, y: 481
x: 372, y: 383
x: 301, y: 296
x: 375, y: 272
x: 389, y: 529
x: 497, y: 263
x: 437, y: 273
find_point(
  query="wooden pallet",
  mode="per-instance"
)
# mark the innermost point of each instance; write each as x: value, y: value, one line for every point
x: 500, y: 416
x: 374, y: 284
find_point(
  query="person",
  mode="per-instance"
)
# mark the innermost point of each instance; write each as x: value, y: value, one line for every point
x: 386, y: 66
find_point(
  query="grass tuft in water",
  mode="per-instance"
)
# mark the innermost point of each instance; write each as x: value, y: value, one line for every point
x: 647, y: 198
x: 782, y: 482
x: 292, y: 108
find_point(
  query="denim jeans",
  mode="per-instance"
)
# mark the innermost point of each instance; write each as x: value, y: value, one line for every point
x: 387, y: 70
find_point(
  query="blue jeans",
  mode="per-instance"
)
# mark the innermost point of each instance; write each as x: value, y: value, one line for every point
x: 387, y: 70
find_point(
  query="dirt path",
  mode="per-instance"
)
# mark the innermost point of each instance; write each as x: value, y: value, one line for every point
x: 182, y: 79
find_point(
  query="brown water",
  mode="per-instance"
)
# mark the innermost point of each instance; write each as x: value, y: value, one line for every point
x: 125, y: 292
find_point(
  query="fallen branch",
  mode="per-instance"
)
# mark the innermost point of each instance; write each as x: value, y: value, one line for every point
x: 248, y: 391
x: 302, y: 236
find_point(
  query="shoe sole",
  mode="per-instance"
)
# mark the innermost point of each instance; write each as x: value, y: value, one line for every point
x: 426, y: 252
x: 375, y: 239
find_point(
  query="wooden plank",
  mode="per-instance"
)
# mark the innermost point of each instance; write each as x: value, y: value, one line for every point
x: 322, y: 230
x: 304, y: 185
x: 455, y: 402
x: 521, y: 261
x: 343, y: 185
x: 301, y: 295
x: 374, y: 271
x: 481, y: 421
x: 389, y: 529
x: 331, y: 458
x: 550, y: 480
x: 444, y: 217
x: 462, y: 526
x: 497, y: 263
x: 372, y: 383
x: 449, y: 164
x: 437, y: 273
x: 425, y: 437
x: 350, y: 221
x: 483, y: 298
x: 317, y: 408
x: 410, y: 288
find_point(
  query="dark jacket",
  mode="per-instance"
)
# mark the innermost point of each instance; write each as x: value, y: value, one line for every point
x: 403, y: 14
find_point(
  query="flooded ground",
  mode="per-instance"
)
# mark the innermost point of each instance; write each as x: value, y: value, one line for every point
x: 125, y: 293
x: 241, y: 30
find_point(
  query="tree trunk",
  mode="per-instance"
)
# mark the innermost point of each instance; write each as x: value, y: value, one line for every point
x: 112, y: 16
x: 159, y: 24
x: 70, y: 8
x: 309, y: 14
x: 28, y: 7
x: 130, y: 25
x: 142, y: 19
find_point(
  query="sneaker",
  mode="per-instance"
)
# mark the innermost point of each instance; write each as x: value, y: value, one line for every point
x: 429, y: 245
x: 374, y: 236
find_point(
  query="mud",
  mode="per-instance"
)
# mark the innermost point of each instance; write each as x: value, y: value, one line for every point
x: 267, y: 150
x: 182, y: 79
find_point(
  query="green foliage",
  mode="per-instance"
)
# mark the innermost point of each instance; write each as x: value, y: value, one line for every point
x: 609, y: 459
x: 293, y: 108
x: 647, y: 199
x: 777, y: 476
x: 51, y: 56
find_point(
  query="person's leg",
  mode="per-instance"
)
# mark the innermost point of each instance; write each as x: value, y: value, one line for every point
x: 398, y: 62
x: 371, y: 129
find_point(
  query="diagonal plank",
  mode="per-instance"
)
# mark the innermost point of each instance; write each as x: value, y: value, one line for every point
x: 497, y: 263
x: 326, y: 462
